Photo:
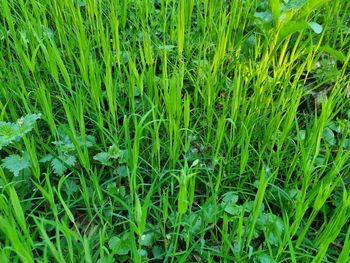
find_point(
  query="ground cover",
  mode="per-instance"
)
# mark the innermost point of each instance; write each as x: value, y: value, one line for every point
x: 174, y: 131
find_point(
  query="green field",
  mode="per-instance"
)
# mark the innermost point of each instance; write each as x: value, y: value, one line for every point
x: 175, y: 131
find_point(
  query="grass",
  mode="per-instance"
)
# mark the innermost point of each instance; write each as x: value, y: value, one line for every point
x: 174, y: 131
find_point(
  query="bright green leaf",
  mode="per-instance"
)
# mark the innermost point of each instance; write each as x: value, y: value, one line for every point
x: 275, y: 9
x: 290, y: 28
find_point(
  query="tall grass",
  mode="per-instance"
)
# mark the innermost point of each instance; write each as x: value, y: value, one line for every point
x: 230, y: 131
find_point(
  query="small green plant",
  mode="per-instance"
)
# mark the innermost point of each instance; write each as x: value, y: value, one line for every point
x: 113, y: 154
x: 65, y: 155
x: 11, y: 133
x: 287, y: 17
x: 16, y: 163
x: 120, y: 245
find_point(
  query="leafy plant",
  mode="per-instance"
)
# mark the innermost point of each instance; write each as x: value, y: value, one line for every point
x: 252, y: 93
x: 66, y: 152
x: 113, y: 154
x: 120, y: 245
x: 288, y: 17
x: 268, y: 223
x: 13, y: 132
x: 16, y: 163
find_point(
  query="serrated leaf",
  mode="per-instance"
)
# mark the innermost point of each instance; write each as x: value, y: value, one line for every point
x: 249, y: 207
x: 16, y: 163
x: 136, y: 91
x: 123, y: 156
x: 9, y: 132
x: 272, y: 225
x: 112, y: 189
x: 89, y: 142
x: 103, y: 157
x: 70, y: 187
x: 46, y: 158
x: 69, y: 159
x: 317, y: 28
x: 231, y: 197
x: 26, y: 123
x: 250, y: 251
x: 114, y: 151
x: 103, y: 260
x: 64, y: 144
x: 58, y: 167
x: 60, y: 164
x: 335, y: 127
x: 233, y: 209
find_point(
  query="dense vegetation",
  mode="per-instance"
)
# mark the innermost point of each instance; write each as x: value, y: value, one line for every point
x: 174, y: 130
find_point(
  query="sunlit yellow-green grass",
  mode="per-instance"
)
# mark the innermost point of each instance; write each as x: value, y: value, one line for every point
x: 174, y: 131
